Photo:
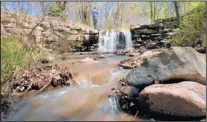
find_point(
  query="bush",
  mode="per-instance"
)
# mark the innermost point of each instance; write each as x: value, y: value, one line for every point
x: 56, y: 9
x: 12, y: 56
x: 192, y: 23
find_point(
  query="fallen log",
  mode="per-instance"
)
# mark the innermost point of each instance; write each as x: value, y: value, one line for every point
x: 73, y: 77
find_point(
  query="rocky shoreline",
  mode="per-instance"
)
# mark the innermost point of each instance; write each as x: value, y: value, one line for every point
x: 171, y: 86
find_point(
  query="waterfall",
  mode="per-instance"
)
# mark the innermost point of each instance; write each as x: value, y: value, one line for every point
x: 127, y: 34
x: 115, y: 40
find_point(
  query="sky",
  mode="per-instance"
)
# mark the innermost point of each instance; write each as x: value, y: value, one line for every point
x: 32, y: 8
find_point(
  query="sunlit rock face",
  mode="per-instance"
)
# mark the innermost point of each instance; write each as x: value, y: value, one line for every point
x: 185, y: 99
x: 175, y: 65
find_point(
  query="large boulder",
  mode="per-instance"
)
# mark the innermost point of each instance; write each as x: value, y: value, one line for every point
x: 174, y: 65
x: 184, y: 99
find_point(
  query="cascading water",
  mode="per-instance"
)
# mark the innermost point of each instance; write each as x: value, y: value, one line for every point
x: 85, y: 102
x: 84, y: 83
x: 114, y: 40
x: 127, y: 34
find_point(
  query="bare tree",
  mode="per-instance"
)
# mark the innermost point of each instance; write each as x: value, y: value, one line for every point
x: 154, y: 11
x: 84, y: 9
x: 151, y: 11
x: 177, y: 12
x: 118, y: 15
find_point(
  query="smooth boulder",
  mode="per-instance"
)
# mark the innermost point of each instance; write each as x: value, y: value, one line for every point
x: 184, y: 99
x: 171, y: 66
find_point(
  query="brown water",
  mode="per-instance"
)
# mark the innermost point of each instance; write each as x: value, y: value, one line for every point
x: 99, y: 72
x: 85, y: 102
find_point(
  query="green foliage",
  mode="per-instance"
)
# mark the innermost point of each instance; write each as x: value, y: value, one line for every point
x: 192, y: 23
x: 56, y: 9
x: 12, y: 56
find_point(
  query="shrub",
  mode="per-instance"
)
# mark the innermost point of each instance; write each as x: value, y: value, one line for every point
x: 56, y: 9
x: 192, y: 23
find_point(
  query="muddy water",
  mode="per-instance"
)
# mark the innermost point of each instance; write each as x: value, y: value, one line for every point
x: 89, y: 101
x: 99, y: 71
x: 85, y: 103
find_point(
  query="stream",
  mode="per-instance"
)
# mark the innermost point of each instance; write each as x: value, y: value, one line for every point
x: 87, y: 101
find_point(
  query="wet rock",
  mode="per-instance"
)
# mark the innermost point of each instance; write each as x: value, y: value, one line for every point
x: 129, y: 90
x: 185, y: 99
x: 174, y: 65
x: 131, y: 63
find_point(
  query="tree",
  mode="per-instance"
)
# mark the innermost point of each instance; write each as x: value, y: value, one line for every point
x: 154, y: 14
x: 177, y: 12
x: 58, y: 8
x: 195, y: 21
x: 62, y: 4
x: 151, y: 11
x: 83, y: 10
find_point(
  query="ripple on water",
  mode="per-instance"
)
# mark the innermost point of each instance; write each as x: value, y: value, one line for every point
x: 87, y: 98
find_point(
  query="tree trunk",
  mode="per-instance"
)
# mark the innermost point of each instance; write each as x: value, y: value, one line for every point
x: 177, y: 12
x: 154, y: 12
x: 151, y: 12
x: 122, y: 14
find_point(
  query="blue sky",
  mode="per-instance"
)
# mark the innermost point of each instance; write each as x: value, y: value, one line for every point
x: 31, y: 7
